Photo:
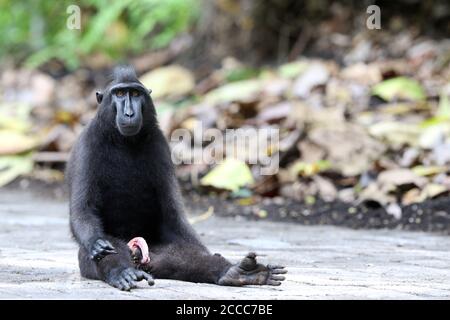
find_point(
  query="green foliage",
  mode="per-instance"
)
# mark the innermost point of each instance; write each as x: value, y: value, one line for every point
x: 36, y: 30
x: 399, y: 88
x: 241, y: 74
x: 443, y: 113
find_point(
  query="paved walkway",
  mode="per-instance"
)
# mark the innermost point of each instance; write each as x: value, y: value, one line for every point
x: 38, y: 259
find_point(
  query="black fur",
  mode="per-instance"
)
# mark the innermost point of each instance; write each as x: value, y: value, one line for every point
x: 125, y: 186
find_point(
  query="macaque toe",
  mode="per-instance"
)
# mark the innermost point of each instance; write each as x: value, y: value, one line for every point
x: 249, y: 262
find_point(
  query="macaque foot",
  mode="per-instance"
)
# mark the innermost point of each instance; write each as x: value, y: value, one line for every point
x: 101, y: 248
x: 139, y: 252
x: 128, y: 278
x: 249, y: 272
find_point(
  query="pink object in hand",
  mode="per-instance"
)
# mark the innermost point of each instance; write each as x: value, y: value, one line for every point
x: 140, y: 243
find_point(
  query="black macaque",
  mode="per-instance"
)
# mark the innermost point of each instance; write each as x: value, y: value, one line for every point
x: 123, y: 187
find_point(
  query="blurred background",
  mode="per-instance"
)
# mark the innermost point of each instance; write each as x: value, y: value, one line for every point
x: 363, y: 114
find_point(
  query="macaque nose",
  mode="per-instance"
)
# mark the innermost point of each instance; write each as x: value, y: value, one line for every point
x: 129, y: 113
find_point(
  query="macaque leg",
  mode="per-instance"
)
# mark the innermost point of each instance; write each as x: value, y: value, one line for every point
x: 194, y: 264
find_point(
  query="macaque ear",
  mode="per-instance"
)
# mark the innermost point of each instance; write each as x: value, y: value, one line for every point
x: 149, y: 91
x: 99, y: 96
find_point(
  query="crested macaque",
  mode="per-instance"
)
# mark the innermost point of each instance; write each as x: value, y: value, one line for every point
x: 126, y: 212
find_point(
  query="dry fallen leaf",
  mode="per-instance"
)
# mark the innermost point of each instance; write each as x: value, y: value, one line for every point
x: 13, y: 142
x: 349, y: 149
x: 12, y: 167
x: 170, y: 81
x: 236, y: 91
x: 231, y: 174
x: 390, y: 179
x: 316, y: 74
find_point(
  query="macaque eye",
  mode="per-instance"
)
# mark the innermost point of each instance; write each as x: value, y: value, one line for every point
x: 135, y: 93
x: 120, y: 93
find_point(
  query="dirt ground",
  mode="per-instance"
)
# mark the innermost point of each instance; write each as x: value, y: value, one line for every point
x: 38, y: 259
